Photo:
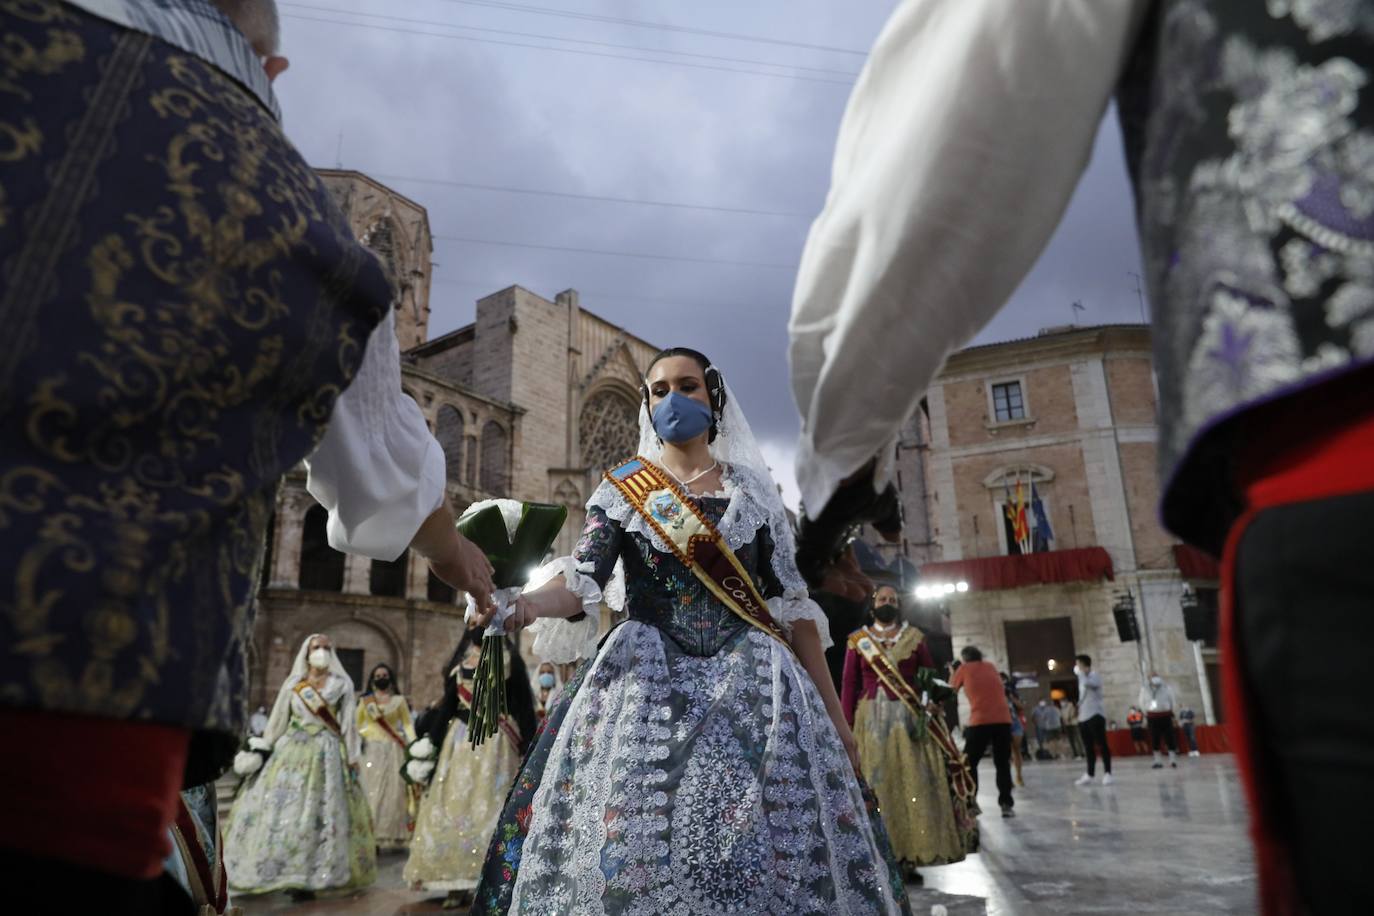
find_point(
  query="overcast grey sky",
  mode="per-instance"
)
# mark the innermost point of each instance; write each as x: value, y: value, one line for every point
x: 485, y: 108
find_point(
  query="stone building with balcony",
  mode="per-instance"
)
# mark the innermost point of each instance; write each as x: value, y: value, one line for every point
x: 533, y: 400
x: 1068, y: 415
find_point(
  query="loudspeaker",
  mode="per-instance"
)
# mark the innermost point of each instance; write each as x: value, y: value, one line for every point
x: 1200, y: 616
x: 1126, y: 628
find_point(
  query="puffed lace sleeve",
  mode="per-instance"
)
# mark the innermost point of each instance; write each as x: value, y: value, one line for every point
x: 586, y: 574
x: 788, y: 605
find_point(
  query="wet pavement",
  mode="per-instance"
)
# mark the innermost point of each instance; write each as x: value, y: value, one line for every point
x: 1158, y: 841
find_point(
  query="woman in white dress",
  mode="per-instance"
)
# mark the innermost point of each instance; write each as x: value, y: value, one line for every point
x: 302, y: 823
x: 699, y: 763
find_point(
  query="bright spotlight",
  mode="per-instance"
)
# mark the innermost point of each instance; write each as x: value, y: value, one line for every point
x: 949, y: 588
x: 961, y: 587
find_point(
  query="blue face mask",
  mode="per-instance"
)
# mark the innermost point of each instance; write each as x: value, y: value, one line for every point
x: 678, y: 418
x: 546, y: 680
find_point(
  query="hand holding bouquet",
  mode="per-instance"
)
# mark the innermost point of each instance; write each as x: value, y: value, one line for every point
x: 514, y: 536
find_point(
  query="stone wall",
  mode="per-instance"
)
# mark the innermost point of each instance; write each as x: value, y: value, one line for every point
x: 1088, y: 441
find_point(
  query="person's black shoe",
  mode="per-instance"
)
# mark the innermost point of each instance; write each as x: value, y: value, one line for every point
x: 910, y: 875
x: 1156, y: 766
x: 1174, y: 765
x: 1007, y: 811
x: 302, y: 896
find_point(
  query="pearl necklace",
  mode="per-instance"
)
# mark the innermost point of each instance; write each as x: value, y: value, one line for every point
x: 687, y: 484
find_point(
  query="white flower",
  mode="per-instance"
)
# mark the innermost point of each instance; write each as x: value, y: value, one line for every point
x: 259, y: 744
x: 419, y: 770
x: 246, y: 763
x: 511, y: 510
x: 422, y: 749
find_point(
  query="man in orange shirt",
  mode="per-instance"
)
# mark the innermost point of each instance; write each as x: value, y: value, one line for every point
x: 989, y: 720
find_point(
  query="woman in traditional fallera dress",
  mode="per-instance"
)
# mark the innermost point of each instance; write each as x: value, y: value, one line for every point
x: 302, y: 823
x: 460, y: 808
x: 928, y: 822
x: 386, y: 729
x: 699, y: 762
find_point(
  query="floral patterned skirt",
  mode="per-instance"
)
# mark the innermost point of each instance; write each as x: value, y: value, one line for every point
x: 666, y: 783
x: 459, y: 812
x: 302, y: 823
x: 907, y: 771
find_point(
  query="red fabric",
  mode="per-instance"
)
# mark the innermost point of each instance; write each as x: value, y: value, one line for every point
x: 213, y: 878
x: 100, y: 793
x: 1332, y: 460
x: 987, y: 698
x: 1211, y: 739
x: 1195, y: 564
x: 860, y: 681
x: 1086, y: 564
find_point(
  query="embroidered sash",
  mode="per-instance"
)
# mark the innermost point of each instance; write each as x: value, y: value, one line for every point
x: 317, y: 705
x: 374, y: 712
x: 694, y: 541
x: 867, y: 645
x: 507, y: 727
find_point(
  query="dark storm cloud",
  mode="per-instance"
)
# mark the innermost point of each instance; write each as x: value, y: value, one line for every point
x: 429, y: 107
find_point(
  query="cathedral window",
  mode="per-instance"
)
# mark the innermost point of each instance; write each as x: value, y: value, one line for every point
x: 322, y: 567
x: 609, y: 429
x: 495, y: 479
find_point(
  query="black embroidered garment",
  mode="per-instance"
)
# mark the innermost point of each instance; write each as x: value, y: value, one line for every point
x: 182, y: 304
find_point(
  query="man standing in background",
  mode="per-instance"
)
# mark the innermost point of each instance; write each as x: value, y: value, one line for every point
x: 1158, y: 700
x: 1092, y: 720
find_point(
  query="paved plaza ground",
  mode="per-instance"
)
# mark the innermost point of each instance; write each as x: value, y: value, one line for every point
x: 1159, y: 841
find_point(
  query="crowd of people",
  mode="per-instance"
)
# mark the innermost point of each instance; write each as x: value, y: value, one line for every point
x: 189, y: 317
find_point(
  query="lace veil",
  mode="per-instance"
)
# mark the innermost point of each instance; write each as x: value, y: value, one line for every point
x: 755, y: 502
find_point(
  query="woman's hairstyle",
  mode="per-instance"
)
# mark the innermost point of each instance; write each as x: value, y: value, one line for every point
x: 971, y: 654
x: 372, y: 677
x: 715, y: 385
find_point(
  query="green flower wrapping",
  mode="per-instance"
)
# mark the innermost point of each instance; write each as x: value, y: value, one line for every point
x: 515, y: 536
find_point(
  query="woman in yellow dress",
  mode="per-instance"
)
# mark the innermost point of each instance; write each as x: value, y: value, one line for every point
x: 460, y: 808
x: 386, y: 728
x: 902, y: 759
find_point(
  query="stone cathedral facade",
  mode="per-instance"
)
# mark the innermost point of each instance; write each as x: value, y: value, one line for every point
x: 533, y: 400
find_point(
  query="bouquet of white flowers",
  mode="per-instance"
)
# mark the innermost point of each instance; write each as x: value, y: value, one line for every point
x: 419, y: 765
x: 514, y: 535
x: 254, y: 754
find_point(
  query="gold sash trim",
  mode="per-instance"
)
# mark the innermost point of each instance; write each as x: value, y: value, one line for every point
x: 317, y: 705
x: 375, y: 713
x: 868, y: 645
x: 694, y: 540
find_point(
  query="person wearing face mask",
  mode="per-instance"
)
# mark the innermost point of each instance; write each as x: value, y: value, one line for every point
x: 699, y: 760
x: 899, y: 742
x: 546, y: 683
x: 386, y: 728
x: 302, y: 823
x: 459, y: 810
x: 1159, y: 702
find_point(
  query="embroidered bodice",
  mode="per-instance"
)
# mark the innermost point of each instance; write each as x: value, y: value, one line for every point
x: 907, y: 648
x: 660, y: 590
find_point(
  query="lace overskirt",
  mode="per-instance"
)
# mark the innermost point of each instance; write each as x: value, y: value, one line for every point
x: 666, y: 783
